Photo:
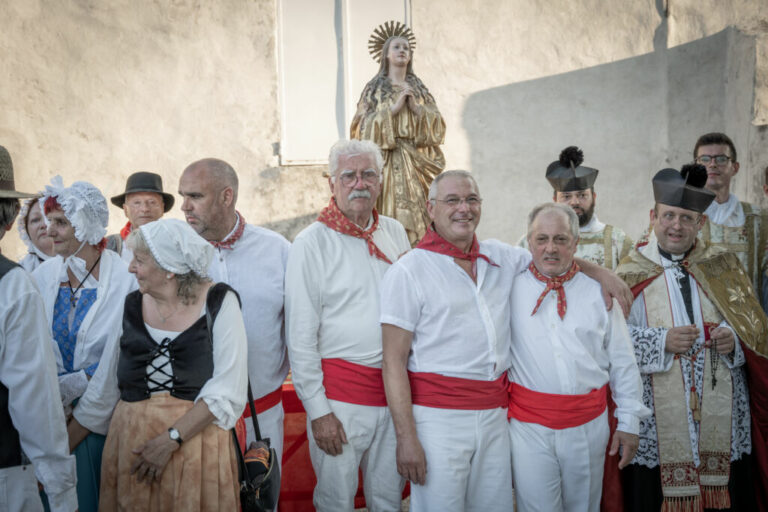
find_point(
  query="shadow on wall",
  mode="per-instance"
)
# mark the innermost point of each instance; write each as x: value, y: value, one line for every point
x: 631, y: 118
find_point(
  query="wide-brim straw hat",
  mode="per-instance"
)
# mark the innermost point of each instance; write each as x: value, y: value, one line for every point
x: 7, y: 185
x: 144, y: 182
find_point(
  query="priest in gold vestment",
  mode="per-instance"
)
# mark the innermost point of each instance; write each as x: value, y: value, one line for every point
x: 397, y: 112
x: 700, y: 341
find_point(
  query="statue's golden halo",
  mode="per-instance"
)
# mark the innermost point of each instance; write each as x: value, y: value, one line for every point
x: 384, y: 32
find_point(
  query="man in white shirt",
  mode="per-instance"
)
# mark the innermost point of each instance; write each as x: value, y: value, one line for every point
x: 738, y: 227
x: 566, y: 351
x: 31, y: 417
x: 574, y: 184
x: 445, y: 315
x: 334, y: 339
x: 251, y: 260
x: 143, y: 201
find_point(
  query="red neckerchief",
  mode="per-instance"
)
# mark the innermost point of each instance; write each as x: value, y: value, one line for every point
x: 126, y: 230
x: 332, y: 217
x: 554, y: 283
x: 435, y: 243
x: 228, y: 242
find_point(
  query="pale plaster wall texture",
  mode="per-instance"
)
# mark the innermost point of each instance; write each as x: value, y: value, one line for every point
x: 97, y: 90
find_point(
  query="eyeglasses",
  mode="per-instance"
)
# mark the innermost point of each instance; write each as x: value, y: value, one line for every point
x: 454, y: 202
x: 668, y: 218
x: 349, y: 177
x: 718, y: 159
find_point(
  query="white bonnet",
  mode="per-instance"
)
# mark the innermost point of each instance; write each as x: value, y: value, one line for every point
x: 177, y: 247
x: 84, y: 206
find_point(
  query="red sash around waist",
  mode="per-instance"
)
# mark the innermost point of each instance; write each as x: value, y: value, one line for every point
x: 268, y: 401
x: 353, y: 383
x: 556, y: 411
x: 435, y: 390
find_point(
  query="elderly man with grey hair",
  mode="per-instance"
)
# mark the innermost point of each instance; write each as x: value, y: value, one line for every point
x: 445, y: 315
x: 566, y: 352
x: 32, y: 425
x: 333, y: 335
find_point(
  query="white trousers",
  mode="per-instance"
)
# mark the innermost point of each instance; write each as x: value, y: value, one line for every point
x: 558, y: 470
x: 468, y: 461
x: 18, y: 490
x: 370, y: 447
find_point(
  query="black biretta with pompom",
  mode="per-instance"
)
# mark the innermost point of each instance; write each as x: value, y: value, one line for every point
x: 684, y: 189
x: 566, y: 174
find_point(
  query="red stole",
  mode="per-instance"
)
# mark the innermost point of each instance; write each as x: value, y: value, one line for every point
x: 435, y: 390
x: 332, y: 217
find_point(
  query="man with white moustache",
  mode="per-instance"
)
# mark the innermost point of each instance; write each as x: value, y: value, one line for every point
x: 334, y: 339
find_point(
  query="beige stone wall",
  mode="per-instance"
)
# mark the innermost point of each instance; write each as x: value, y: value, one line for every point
x: 97, y: 90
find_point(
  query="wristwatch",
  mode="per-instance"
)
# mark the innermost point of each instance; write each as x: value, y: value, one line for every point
x: 174, y: 434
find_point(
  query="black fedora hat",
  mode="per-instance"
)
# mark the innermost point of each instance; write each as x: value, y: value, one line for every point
x: 7, y: 185
x: 144, y: 182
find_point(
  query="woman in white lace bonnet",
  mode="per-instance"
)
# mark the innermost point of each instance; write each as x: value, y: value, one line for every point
x: 33, y: 232
x: 176, y: 388
x: 83, y: 289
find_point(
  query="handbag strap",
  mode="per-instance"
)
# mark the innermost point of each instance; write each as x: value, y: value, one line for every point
x: 256, y: 430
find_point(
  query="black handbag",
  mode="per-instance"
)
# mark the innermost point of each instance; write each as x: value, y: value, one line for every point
x: 259, y: 470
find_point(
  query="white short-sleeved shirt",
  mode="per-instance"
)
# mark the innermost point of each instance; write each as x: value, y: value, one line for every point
x: 460, y: 328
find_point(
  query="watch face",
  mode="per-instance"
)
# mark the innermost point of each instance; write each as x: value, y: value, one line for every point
x: 174, y: 434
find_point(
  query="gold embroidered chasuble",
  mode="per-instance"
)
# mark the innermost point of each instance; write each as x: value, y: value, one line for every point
x: 749, y: 242
x: 723, y: 288
x: 410, y: 144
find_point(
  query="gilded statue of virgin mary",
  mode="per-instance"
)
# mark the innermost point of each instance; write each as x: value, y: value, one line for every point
x: 397, y: 112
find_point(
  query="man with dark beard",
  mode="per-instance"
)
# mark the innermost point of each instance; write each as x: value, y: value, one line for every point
x: 573, y: 185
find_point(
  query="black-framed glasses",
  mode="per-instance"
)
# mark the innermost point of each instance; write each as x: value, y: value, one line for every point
x: 718, y: 159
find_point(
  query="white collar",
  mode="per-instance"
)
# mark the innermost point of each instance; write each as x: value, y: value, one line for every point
x: 729, y: 213
x: 593, y: 226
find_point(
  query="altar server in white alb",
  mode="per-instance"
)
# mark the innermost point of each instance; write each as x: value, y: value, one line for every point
x: 334, y: 338
x: 250, y: 259
x: 31, y: 419
x: 567, y: 350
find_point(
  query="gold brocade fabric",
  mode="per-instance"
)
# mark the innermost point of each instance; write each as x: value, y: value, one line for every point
x: 747, y: 242
x: 412, y: 156
x: 680, y: 478
x: 723, y: 280
x: 201, y: 475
